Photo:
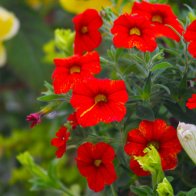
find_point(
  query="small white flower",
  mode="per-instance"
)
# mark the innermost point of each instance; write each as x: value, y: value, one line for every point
x: 187, y: 137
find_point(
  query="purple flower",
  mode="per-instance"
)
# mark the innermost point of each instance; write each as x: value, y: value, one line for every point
x: 34, y: 118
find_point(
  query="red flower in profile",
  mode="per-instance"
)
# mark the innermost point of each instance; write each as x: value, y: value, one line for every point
x: 94, y: 161
x: 191, y: 103
x: 73, y: 120
x: 160, y: 16
x: 87, y: 36
x: 133, y: 31
x: 158, y: 134
x: 34, y: 118
x: 190, y: 36
x: 99, y: 101
x: 60, y: 141
x: 75, y: 69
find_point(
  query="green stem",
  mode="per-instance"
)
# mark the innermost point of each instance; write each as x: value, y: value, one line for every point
x: 157, y: 178
x: 186, y: 60
x: 113, y: 190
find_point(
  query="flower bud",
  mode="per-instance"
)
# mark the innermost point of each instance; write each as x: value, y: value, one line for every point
x: 165, y: 188
x: 187, y: 137
x: 34, y: 118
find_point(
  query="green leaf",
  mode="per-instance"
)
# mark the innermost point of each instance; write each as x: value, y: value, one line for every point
x: 142, y: 190
x: 144, y: 112
x: 189, y: 193
x: 54, y: 97
x: 161, y: 66
x: 42, y: 179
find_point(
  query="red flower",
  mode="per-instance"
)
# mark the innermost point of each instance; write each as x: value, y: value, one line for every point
x: 94, y: 161
x: 60, y: 141
x: 191, y: 103
x: 160, y: 16
x: 87, y: 36
x: 73, y: 120
x: 34, y: 118
x: 190, y: 36
x: 159, y: 134
x: 75, y: 69
x: 133, y: 31
x: 99, y: 101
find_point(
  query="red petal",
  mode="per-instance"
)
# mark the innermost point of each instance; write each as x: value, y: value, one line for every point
x: 168, y: 161
x: 60, y: 151
x: 96, y: 181
x: 57, y: 142
x: 190, y: 34
x: 136, y: 168
x: 192, y: 48
x: 108, y: 173
x: 146, y: 129
x: 134, y: 149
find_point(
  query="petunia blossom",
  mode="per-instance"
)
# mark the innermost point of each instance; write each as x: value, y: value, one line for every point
x: 133, y: 31
x: 161, y: 17
x: 95, y: 162
x: 87, y: 26
x: 157, y: 133
x: 99, y: 100
x: 72, y: 70
x: 60, y: 141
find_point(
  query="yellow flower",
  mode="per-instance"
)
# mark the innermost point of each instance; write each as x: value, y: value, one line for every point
x: 9, y: 26
x: 78, y: 6
x: 2, y: 54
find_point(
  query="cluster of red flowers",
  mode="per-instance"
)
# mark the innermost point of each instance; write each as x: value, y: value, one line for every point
x: 103, y: 100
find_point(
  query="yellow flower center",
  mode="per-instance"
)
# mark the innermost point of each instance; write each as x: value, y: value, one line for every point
x: 97, y: 162
x: 135, y: 31
x: 75, y: 69
x: 100, y: 98
x: 84, y: 30
x: 155, y: 144
x: 157, y: 18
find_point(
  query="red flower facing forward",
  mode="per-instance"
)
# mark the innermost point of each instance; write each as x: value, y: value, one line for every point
x: 160, y: 16
x: 133, y: 31
x: 191, y: 103
x: 94, y: 161
x: 34, y: 118
x: 60, y: 141
x: 75, y: 69
x: 99, y: 100
x: 73, y: 120
x: 190, y: 36
x: 87, y: 36
x: 158, y: 134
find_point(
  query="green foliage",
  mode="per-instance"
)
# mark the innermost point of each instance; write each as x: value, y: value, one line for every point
x: 189, y: 193
x: 42, y: 179
x: 142, y: 190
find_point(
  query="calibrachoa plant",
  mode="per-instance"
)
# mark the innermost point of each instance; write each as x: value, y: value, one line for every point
x: 127, y: 84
